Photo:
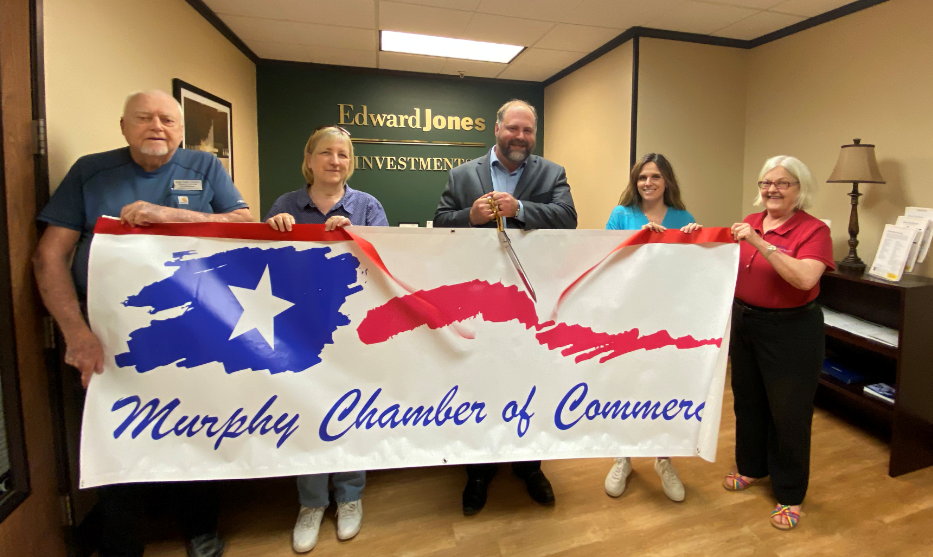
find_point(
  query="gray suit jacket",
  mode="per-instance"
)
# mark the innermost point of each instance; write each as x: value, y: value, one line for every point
x: 542, y: 189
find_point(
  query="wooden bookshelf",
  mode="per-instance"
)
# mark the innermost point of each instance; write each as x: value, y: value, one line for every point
x: 906, y: 306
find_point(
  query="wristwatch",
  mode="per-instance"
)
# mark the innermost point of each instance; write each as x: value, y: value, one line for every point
x: 771, y: 249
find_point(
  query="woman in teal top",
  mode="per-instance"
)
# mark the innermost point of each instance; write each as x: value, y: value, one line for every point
x: 651, y: 200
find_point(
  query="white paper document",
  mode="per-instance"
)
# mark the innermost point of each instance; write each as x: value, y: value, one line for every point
x: 860, y: 327
x: 920, y: 225
x: 893, y: 252
x: 925, y: 213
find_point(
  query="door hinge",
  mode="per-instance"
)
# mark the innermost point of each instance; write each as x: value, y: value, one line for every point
x: 67, y: 519
x: 48, y: 325
x: 39, y: 142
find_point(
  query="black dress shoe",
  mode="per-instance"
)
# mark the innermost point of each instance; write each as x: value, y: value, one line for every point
x: 539, y: 488
x: 474, y: 496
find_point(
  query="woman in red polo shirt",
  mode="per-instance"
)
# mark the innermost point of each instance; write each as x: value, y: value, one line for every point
x: 778, y: 344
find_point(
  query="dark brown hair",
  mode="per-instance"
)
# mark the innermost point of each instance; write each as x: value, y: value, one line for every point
x: 630, y: 196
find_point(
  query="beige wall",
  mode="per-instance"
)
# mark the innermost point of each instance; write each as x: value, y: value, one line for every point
x: 588, y: 132
x: 691, y: 109
x: 868, y: 75
x: 98, y: 51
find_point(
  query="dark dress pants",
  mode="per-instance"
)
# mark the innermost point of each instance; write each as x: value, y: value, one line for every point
x: 776, y: 360
x: 485, y: 472
x: 122, y: 506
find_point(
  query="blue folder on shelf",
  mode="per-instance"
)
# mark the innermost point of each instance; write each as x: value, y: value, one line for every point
x: 881, y: 390
x: 840, y: 372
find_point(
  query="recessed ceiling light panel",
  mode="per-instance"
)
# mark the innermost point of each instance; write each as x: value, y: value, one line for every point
x: 426, y: 45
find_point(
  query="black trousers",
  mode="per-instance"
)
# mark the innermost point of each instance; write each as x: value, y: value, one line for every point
x: 776, y: 360
x: 485, y: 472
x: 122, y: 506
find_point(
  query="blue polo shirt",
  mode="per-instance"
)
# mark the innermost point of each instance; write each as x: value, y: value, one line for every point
x: 361, y: 208
x: 103, y: 183
x: 631, y: 218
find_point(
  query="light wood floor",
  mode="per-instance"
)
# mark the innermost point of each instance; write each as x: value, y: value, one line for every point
x: 852, y: 508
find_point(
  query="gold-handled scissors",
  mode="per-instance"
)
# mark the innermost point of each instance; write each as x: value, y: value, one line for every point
x: 507, y: 244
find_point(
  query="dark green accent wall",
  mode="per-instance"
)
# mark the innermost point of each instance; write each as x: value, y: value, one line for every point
x: 293, y: 99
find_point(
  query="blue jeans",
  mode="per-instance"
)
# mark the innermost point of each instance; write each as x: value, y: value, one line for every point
x: 312, y: 488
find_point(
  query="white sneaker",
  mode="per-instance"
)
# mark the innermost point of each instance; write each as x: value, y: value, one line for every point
x: 304, y: 536
x: 673, y: 488
x: 349, y: 519
x: 615, y: 481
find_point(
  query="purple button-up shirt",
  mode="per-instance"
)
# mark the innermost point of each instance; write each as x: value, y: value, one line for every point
x: 361, y: 208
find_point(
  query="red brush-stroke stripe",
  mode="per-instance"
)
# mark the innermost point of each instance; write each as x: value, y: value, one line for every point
x: 455, y: 303
x: 578, y: 338
x: 497, y: 303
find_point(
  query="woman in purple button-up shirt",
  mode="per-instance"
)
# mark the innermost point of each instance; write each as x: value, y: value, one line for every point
x: 328, y: 200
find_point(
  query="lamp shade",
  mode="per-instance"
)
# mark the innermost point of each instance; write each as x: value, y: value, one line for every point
x: 857, y: 164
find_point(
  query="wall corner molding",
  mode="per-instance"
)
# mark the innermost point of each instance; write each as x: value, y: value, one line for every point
x: 218, y: 24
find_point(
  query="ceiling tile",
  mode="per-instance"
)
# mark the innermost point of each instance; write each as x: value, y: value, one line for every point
x: 438, y: 22
x: 342, y: 56
x: 273, y: 30
x: 529, y: 73
x: 808, y: 8
x: 619, y: 14
x: 249, y: 8
x: 472, y: 68
x: 501, y: 29
x: 465, y: 5
x: 758, y: 25
x: 698, y: 17
x: 411, y: 62
x: 543, y: 58
x: 280, y: 51
x: 578, y: 38
x: 545, y: 10
x: 346, y: 13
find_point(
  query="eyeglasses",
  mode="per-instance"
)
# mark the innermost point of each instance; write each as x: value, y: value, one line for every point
x: 781, y: 185
x: 319, y: 128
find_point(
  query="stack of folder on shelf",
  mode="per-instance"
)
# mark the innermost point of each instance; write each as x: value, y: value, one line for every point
x: 860, y: 327
x: 903, y: 244
x: 841, y: 372
x: 882, y: 391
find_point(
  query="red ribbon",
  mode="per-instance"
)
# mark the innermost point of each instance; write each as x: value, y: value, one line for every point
x: 702, y: 236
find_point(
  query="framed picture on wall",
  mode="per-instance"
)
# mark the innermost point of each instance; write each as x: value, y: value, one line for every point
x: 208, y: 122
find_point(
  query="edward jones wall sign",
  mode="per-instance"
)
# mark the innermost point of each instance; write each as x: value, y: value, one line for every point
x: 363, y: 118
x: 351, y: 116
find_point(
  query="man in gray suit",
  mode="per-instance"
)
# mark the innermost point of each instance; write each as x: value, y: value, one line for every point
x: 530, y: 192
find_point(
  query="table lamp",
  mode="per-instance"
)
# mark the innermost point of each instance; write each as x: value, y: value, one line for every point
x: 856, y: 164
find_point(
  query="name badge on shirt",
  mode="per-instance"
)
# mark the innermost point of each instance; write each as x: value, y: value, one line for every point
x: 187, y: 185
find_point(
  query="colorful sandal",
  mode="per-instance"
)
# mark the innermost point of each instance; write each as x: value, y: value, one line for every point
x: 737, y: 482
x: 784, y: 510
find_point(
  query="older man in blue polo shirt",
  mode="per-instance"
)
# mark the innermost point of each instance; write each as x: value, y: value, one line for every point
x: 149, y: 181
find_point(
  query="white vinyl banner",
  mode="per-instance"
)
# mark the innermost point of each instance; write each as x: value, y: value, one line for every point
x: 233, y: 351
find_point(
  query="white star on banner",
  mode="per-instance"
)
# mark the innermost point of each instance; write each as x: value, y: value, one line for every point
x: 259, y: 309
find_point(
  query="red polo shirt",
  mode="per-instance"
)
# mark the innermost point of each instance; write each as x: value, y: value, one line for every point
x: 801, y: 237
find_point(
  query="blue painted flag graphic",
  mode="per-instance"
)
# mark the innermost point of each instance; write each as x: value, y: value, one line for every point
x: 247, y: 308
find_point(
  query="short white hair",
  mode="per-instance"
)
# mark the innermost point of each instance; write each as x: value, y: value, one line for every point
x: 153, y: 93
x: 799, y: 171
